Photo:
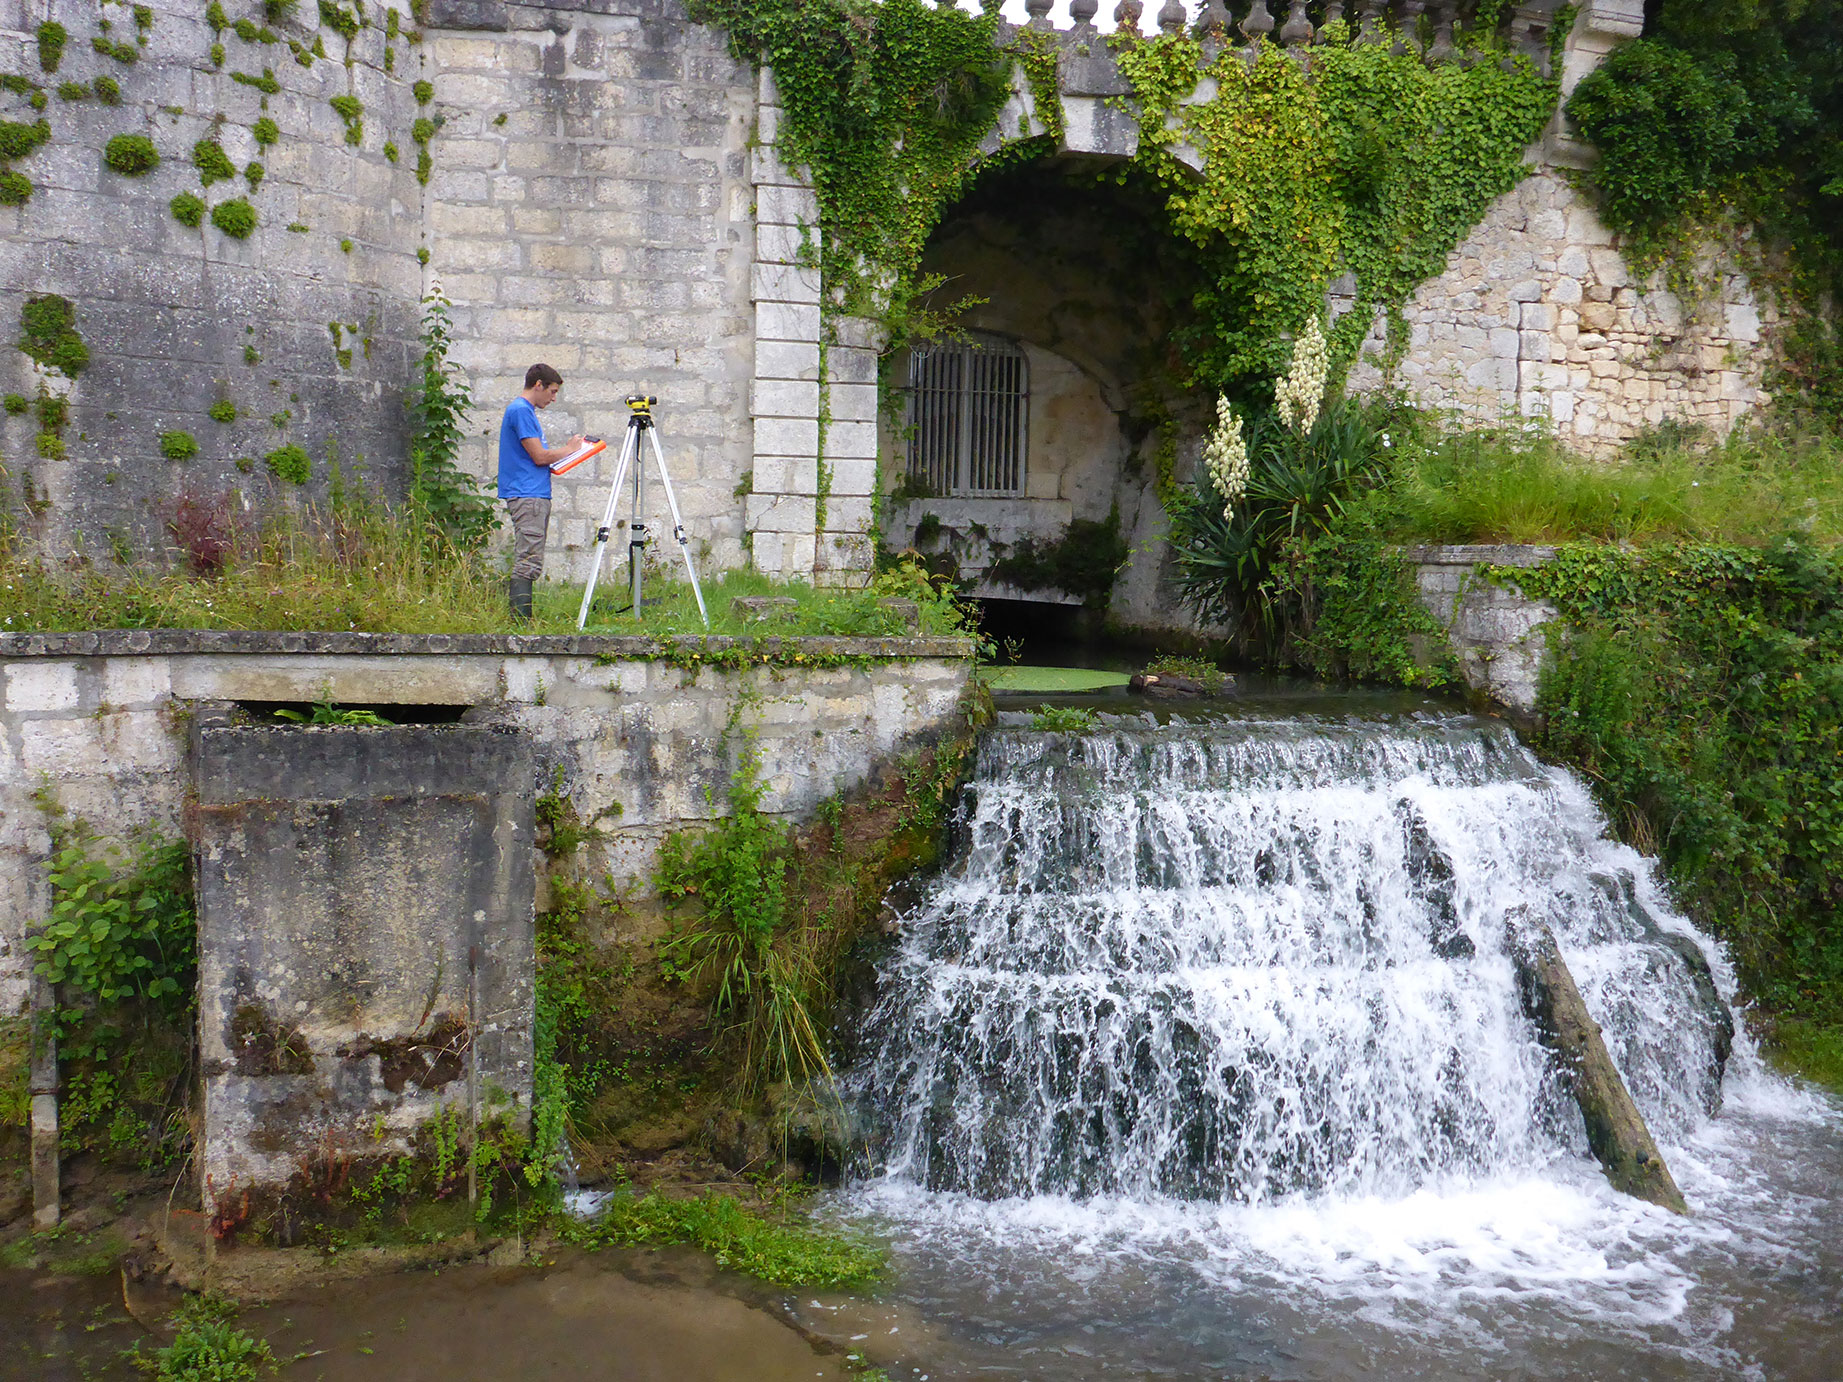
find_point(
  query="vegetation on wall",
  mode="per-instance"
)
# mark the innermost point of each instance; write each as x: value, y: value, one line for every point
x: 885, y: 105
x: 120, y: 946
x: 1729, y: 114
x: 1083, y: 561
x: 1376, y: 163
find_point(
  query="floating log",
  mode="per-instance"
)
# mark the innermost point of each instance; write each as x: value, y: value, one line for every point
x: 1616, y: 1130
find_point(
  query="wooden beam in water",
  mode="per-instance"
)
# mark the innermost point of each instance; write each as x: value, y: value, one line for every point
x: 1616, y: 1130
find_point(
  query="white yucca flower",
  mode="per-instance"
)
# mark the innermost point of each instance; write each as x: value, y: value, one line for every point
x: 1298, y: 395
x: 1225, y: 456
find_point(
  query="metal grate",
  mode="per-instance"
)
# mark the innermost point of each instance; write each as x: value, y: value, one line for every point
x: 967, y: 416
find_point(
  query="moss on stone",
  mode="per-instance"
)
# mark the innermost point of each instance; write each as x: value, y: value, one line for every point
x: 178, y: 446
x: 131, y: 155
x: 188, y: 209
x: 266, y: 132
x: 48, y: 333
x: 212, y: 162
x: 15, y: 189
x: 290, y: 463
x: 222, y: 411
x: 236, y: 217
x: 52, y: 37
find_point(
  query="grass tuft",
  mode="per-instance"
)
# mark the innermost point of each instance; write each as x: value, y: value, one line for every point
x: 781, y: 1252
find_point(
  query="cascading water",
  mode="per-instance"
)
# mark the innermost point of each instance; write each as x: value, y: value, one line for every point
x: 1205, y: 1057
x: 1247, y: 960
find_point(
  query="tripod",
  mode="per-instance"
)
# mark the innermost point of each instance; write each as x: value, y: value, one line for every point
x: 640, y: 420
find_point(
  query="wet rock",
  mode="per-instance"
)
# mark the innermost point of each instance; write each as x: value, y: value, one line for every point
x: 1431, y: 874
x: 1166, y: 686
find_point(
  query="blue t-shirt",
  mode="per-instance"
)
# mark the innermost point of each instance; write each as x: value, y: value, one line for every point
x: 520, y: 477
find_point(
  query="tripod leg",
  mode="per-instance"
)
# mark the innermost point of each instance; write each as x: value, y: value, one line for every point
x: 678, y: 528
x: 630, y: 448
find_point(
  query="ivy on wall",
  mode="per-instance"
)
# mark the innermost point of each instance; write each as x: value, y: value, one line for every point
x: 1376, y: 163
x: 886, y: 105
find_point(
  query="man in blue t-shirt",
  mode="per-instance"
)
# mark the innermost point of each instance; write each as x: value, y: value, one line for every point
x: 524, y: 479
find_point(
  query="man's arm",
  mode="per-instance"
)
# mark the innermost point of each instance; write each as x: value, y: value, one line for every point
x: 543, y: 455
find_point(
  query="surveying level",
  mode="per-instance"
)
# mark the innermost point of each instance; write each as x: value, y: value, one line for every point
x: 639, y: 420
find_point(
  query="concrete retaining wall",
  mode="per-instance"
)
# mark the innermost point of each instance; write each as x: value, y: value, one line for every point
x: 637, y: 744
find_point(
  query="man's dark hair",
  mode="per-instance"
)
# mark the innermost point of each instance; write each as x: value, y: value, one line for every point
x: 541, y: 374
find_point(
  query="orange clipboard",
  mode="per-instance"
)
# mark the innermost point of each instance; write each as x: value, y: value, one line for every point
x: 591, y: 446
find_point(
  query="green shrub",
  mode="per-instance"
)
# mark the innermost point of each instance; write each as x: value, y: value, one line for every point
x: 212, y: 162
x: 351, y: 110
x: 209, y: 1347
x: 289, y: 463
x: 1667, y: 125
x: 131, y: 155
x: 188, y: 209
x: 50, y: 446
x: 178, y: 446
x: 17, y: 403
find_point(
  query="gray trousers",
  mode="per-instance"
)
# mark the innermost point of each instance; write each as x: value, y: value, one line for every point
x: 530, y: 521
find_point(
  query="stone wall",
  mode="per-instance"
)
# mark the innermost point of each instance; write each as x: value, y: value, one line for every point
x: 306, y: 327
x: 1538, y: 317
x: 592, y: 206
x: 1495, y: 632
x: 635, y: 742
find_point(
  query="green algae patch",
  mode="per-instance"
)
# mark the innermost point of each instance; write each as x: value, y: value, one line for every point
x: 1050, y: 680
x: 785, y: 1252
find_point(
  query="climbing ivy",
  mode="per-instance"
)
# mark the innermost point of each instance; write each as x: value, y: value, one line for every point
x: 886, y: 105
x: 1374, y: 163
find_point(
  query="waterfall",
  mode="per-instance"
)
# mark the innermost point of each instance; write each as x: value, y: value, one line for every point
x: 1242, y: 959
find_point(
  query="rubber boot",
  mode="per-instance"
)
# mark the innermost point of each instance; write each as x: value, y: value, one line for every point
x: 521, y: 597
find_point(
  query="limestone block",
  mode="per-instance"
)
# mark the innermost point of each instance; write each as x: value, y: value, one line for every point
x: 786, y: 437
x: 781, y: 321
x: 781, y: 205
x: 849, y: 366
x: 1566, y: 291
x: 784, y: 283
x: 1495, y: 373
x: 788, y: 360
x: 1503, y: 343
x: 784, y: 398
x: 853, y: 439
x: 1534, y: 345
x: 1529, y: 290
x: 1586, y: 228
x: 785, y: 475
x: 778, y: 244
x: 1538, y: 316
x: 853, y: 402
x: 1742, y: 322
x: 61, y: 747
x: 40, y: 687
x: 852, y: 477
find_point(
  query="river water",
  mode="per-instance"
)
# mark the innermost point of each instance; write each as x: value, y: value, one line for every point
x: 1204, y: 1058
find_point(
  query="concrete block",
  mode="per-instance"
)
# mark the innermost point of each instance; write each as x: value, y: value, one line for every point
x: 781, y: 513
x: 852, y: 439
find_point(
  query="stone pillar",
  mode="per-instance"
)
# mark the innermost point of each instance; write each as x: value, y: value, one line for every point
x: 1599, y: 27
x: 782, y: 506
x: 365, y: 944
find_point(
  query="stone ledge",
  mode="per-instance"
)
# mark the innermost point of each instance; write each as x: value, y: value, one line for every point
x: 180, y: 642
x: 1484, y: 553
